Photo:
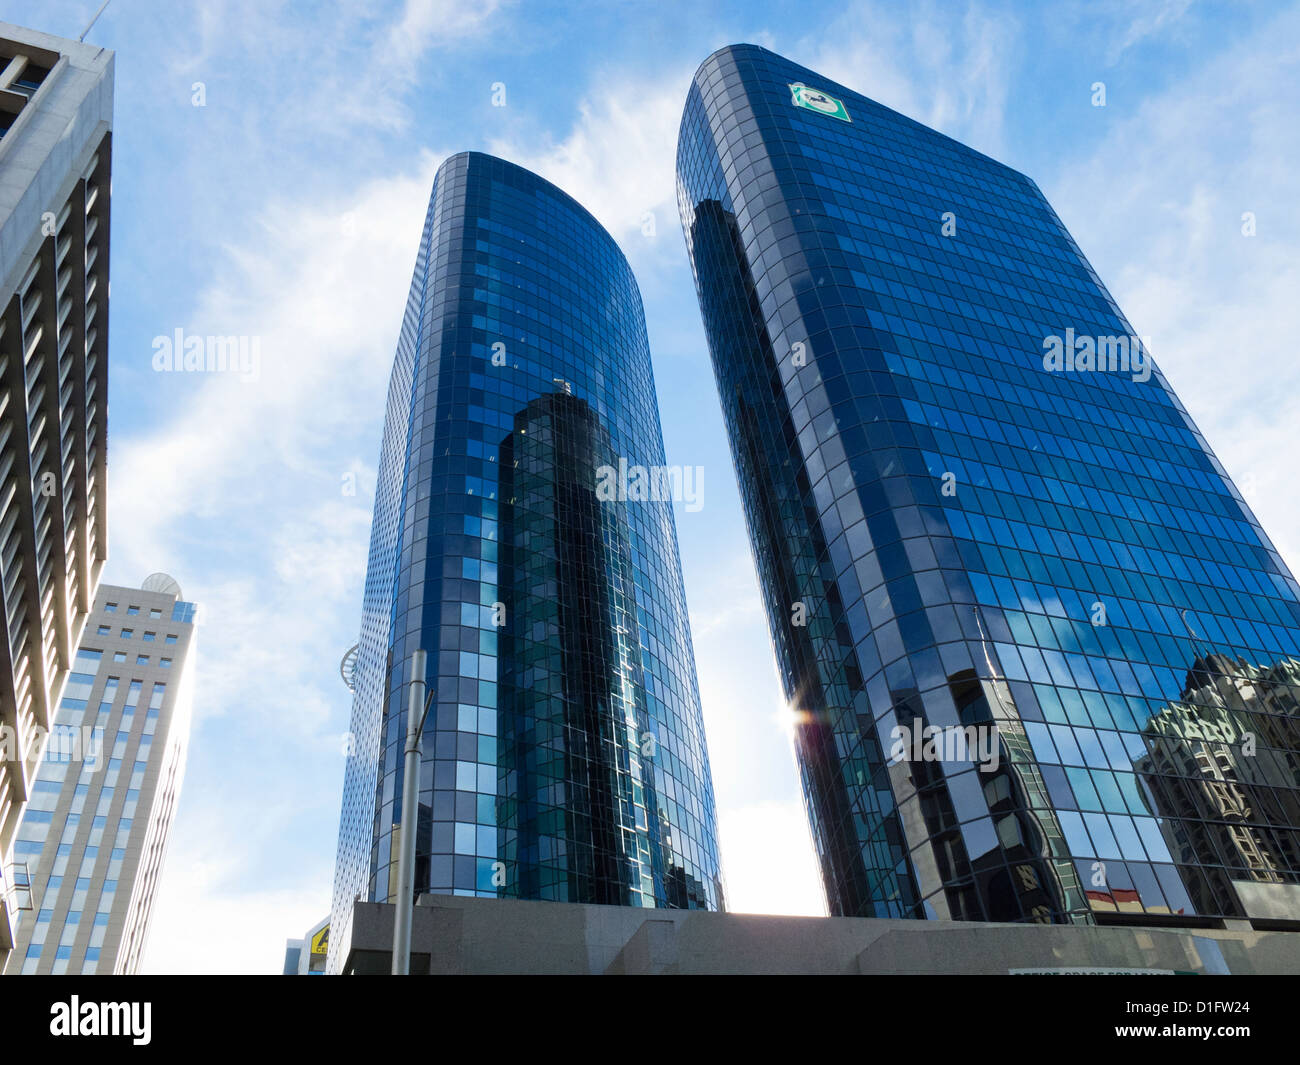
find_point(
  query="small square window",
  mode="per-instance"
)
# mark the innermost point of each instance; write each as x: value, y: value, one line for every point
x: 110, y: 608
x: 141, y: 660
x: 150, y: 636
x: 103, y: 630
x: 155, y: 613
x: 166, y: 663
x: 170, y: 638
x: 127, y: 633
x: 133, y: 610
x: 119, y: 656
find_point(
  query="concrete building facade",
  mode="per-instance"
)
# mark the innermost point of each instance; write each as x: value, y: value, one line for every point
x: 471, y: 936
x: 94, y: 836
x: 56, y: 108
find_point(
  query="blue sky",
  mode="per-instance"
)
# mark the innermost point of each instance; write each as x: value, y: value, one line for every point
x: 289, y: 206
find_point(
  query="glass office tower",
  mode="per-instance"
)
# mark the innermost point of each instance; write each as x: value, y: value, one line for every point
x: 565, y: 755
x: 977, y: 510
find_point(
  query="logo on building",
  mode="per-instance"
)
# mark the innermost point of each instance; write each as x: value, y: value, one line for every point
x: 821, y: 102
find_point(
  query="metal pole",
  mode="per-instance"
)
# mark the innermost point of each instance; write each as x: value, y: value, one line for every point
x: 93, y: 21
x: 415, y: 710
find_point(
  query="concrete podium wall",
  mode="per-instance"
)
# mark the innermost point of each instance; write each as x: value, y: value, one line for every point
x: 463, y: 936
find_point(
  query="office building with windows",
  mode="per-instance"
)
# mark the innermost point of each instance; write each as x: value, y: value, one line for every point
x: 56, y: 110
x: 307, y: 956
x: 94, y: 836
x: 978, y: 510
x: 564, y: 758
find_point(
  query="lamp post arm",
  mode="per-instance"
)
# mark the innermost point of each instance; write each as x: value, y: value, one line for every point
x: 417, y: 710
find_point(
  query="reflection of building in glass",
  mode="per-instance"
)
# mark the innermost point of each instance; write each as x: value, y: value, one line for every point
x: 1222, y: 769
x: 1006, y: 862
x: 860, y: 850
x: 578, y: 815
x: 949, y: 530
x: 564, y: 754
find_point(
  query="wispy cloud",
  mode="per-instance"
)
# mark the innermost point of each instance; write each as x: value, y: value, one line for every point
x: 352, y: 70
x: 618, y: 157
x: 1159, y: 209
x: 242, y: 493
x: 426, y: 24
x: 947, y: 69
x: 1148, y: 20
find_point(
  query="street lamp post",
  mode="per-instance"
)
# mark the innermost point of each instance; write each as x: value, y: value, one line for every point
x: 417, y: 709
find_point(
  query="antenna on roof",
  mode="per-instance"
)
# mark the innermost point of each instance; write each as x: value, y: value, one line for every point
x: 93, y: 21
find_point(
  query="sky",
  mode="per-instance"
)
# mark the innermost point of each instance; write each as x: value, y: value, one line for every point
x: 272, y: 163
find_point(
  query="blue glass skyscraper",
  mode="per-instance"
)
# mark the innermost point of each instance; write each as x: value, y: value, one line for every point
x: 977, y: 509
x: 565, y: 757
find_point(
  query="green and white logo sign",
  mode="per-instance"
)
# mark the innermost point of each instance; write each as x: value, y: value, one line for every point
x: 821, y: 102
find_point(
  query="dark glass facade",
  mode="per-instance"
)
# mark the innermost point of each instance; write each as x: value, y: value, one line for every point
x: 565, y: 756
x: 956, y: 530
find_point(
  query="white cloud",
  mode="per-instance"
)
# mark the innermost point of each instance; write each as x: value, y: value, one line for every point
x: 618, y: 160
x: 323, y: 292
x: 426, y: 24
x: 1149, y: 20
x: 239, y: 494
x: 352, y: 68
x: 203, y: 924
x: 948, y: 71
x: 1158, y: 208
